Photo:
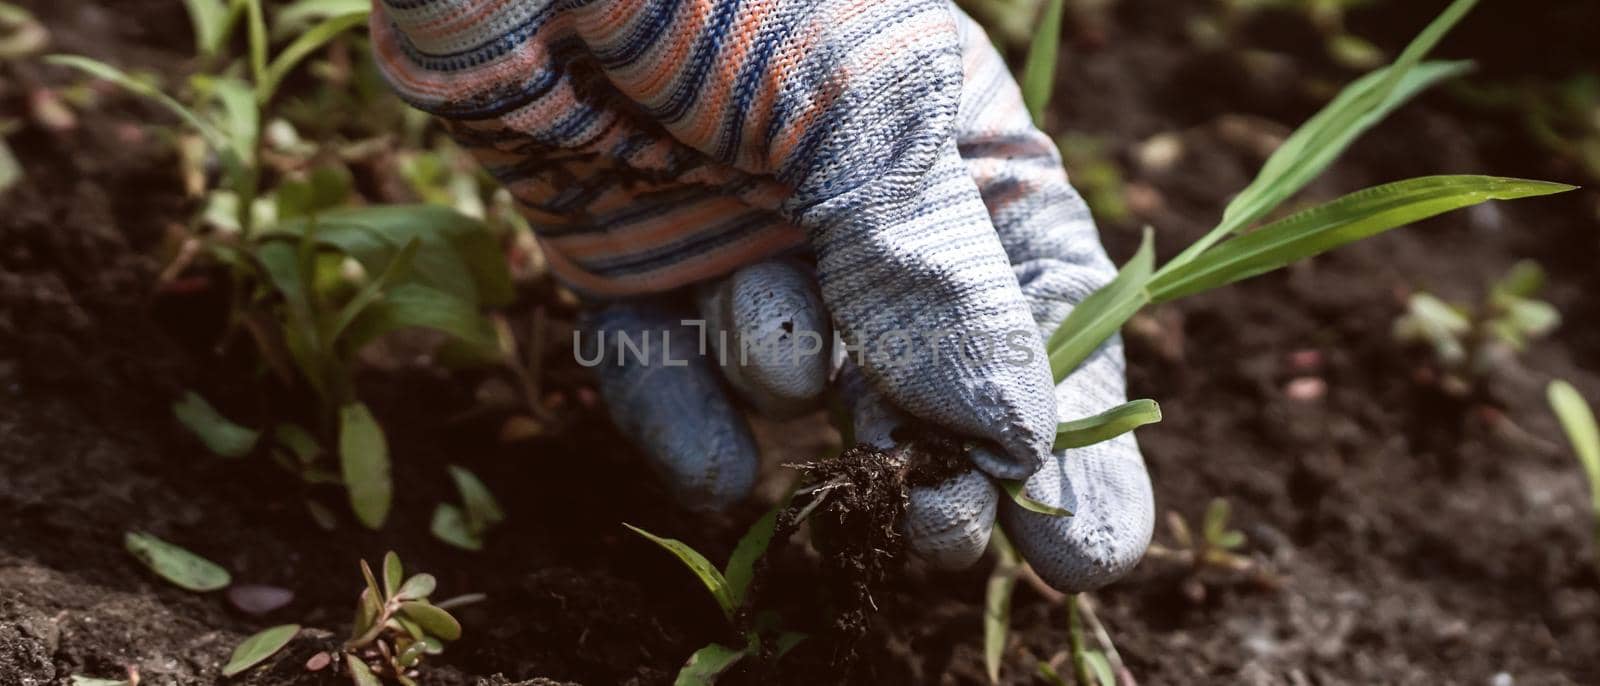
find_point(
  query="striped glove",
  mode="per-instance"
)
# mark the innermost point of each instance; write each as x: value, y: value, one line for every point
x: 702, y: 160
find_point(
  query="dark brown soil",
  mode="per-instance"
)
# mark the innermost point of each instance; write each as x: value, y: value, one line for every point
x: 1421, y: 538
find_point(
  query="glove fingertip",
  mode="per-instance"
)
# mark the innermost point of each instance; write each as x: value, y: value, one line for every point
x: 949, y: 525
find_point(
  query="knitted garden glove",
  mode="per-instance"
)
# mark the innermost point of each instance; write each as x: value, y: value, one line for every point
x: 656, y: 145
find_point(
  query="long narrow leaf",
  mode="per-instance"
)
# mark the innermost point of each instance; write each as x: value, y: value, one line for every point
x: 997, y: 603
x: 1015, y: 487
x: 1577, y: 420
x: 1107, y: 425
x: 208, y: 17
x: 256, y: 30
x: 752, y: 545
x: 1322, y: 138
x: 1103, y: 313
x: 1039, y: 71
x: 1350, y: 218
x: 697, y: 563
x: 106, y: 72
x: 303, y: 46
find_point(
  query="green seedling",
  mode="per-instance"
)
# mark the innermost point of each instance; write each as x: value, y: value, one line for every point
x: 730, y: 588
x: 997, y: 602
x: 1577, y: 420
x: 464, y: 526
x: 395, y: 628
x: 181, y: 567
x: 1469, y: 341
x: 1237, y: 249
x: 313, y: 282
x: 1214, y: 551
x: 1091, y: 666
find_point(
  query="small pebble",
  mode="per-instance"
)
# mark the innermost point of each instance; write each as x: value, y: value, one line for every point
x: 258, y: 599
x: 1306, y: 388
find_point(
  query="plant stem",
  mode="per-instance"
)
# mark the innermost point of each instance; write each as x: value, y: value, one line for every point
x: 1080, y: 664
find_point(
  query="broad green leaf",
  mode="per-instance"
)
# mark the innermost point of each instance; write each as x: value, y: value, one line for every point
x: 752, y: 545
x: 997, y: 603
x: 394, y: 574
x: 361, y: 674
x: 1039, y: 70
x: 459, y: 256
x: 1014, y: 488
x: 481, y: 508
x: 307, y: 43
x: 1103, y: 313
x: 707, y: 664
x: 433, y: 620
x: 418, y: 587
x: 450, y: 525
x: 415, y: 305
x: 181, y: 567
x: 1577, y: 420
x: 327, y: 187
x: 1107, y: 425
x: 1325, y: 227
x: 106, y: 72
x: 364, y: 464
x: 368, y: 607
x: 218, y: 433
x: 393, y: 274
x: 702, y: 568
x: 259, y: 647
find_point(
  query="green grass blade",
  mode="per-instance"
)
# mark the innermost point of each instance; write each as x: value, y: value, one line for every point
x: 364, y: 464
x: 1315, y: 145
x: 209, y: 19
x: 1103, y: 313
x: 259, y: 647
x: 106, y: 72
x: 742, y: 563
x: 1577, y: 420
x: 219, y: 434
x: 256, y: 31
x: 1014, y: 488
x: 307, y: 43
x: 997, y: 603
x: 1107, y: 425
x: 414, y: 305
x: 1350, y: 218
x: 714, y: 582
x: 1039, y: 71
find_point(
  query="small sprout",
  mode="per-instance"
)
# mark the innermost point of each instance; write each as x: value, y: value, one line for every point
x: 258, y: 648
x: 218, y: 433
x: 1214, y: 550
x: 730, y: 588
x: 1577, y: 420
x: 179, y: 566
x: 465, y: 526
x: 395, y: 625
x: 1470, y: 341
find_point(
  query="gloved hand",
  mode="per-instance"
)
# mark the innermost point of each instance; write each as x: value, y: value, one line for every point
x: 660, y: 146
